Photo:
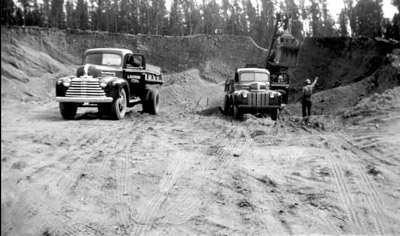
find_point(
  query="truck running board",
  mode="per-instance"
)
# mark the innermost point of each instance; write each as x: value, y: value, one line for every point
x: 134, y: 101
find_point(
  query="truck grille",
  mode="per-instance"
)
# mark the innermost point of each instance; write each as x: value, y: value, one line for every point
x: 274, y: 101
x: 85, y: 88
x: 258, y: 99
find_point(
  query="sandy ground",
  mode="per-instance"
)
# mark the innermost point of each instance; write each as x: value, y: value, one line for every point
x: 183, y: 173
x: 190, y: 170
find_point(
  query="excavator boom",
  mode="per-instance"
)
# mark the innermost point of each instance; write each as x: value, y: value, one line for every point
x: 287, y: 51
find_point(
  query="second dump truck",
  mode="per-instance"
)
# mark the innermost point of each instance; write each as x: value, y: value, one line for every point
x: 263, y: 90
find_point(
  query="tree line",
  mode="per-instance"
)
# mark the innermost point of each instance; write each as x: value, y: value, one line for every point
x: 189, y: 17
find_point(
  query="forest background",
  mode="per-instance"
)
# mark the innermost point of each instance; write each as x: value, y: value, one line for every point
x: 309, y: 18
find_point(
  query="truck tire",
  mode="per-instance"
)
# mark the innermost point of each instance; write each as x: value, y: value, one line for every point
x: 227, y: 106
x: 153, y: 101
x: 236, y: 113
x: 119, y: 106
x: 274, y: 114
x: 104, y: 109
x: 68, y: 110
x: 145, y: 99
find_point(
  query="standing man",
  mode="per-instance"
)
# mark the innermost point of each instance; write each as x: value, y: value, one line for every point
x: 306, y: 98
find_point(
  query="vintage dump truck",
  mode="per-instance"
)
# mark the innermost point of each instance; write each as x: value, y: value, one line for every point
x: 265, y: 89
x: 111, y: 79
x: 249, y: 92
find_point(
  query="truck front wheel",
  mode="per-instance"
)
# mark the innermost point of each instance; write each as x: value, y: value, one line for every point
x: 227, y: 106
x: 68, y: 110
x: 119, y: 106
x: 153, y: 100
x: 104, y: 109
x: 274, y: 114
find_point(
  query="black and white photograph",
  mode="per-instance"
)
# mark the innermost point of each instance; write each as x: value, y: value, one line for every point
x: 200, y: 117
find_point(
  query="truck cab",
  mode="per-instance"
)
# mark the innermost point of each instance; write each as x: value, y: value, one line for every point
x: 111, y: 79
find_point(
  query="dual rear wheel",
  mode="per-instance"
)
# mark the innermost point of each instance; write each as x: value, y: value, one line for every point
x: 151, y: 102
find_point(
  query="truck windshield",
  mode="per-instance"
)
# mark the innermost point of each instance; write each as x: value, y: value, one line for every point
x: 107, y: 59
x: 254, y: 76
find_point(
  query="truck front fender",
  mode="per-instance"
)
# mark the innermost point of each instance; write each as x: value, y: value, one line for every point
x: 116, y: 84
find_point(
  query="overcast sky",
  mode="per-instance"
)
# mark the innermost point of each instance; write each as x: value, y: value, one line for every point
x: 335, y: 6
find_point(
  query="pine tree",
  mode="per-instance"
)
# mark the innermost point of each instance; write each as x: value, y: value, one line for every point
x: 175, y: 20
x: 144, y: 17
x: 69, y: 15
x: 57, y: 16
x: 251, y: 15
x: 369, y: 17
x: 25, y: 9
x: 7, y: 10
x: 82, y: 15
x: 343, y: 23
x: 158, y: 13
x: 191, y: 17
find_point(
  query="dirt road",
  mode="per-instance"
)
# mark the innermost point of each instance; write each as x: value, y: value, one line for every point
x: 183, y: 173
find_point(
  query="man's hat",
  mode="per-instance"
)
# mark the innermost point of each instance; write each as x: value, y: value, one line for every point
x: 308, y: 81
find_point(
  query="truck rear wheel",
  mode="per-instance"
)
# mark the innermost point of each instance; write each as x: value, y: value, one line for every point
x: 68, y: 110
x: 153, y: 100
x: 274, y: 114
x: 145, y: 98
x: 119, y: 106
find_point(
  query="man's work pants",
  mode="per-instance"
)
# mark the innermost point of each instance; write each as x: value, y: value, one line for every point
x: 306, y: 106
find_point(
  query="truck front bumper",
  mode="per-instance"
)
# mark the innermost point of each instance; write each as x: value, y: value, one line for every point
x: 254, y: 109
x: 84, y: 99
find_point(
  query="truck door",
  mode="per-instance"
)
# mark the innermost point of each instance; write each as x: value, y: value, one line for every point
x: 134, y: 73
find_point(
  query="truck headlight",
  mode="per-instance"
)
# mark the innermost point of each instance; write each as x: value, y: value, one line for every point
x: 244, y: 95
x: 66, y: 82
x: 271, y: 95
x: 103, y: 83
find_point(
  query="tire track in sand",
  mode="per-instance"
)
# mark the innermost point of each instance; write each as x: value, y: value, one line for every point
x: 372, y: 195
x: 149, y: 211
x: 230, y: 143
x: 45, y: 219
x: 363, y: 222
x: 62, y: 184
x: 342, y: 187
x: 185, y: 205
x: 116, y: 172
